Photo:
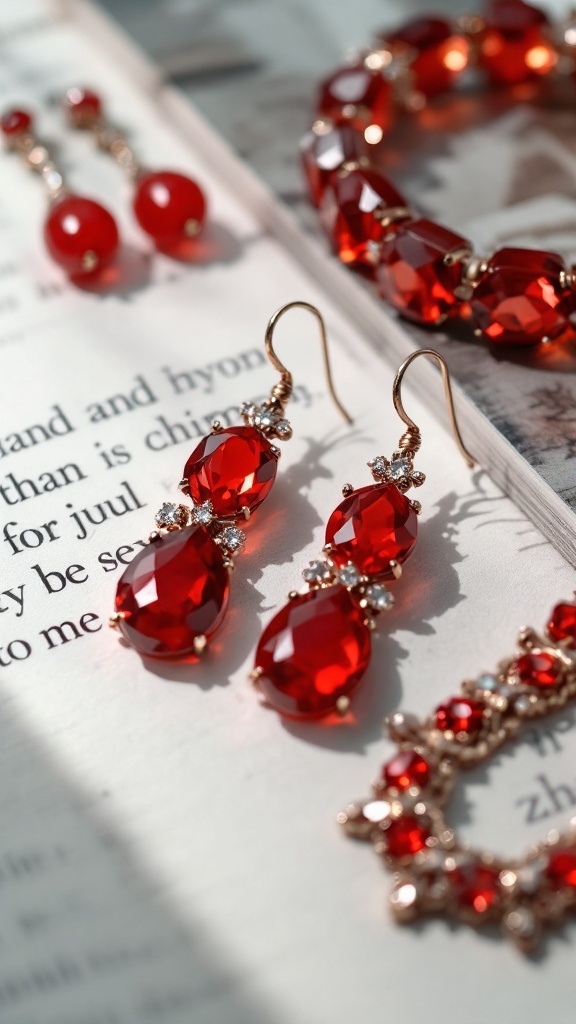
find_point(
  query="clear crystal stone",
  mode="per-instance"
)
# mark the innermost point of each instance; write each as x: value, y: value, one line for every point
x: 283, y: 429
x: 172, y: 516
x: 521, y: 922
x: 379, y: 597
x: 232, y: 538
x: 404, y: 896
x: 317, y: 572
x: 488, y: 682
x: 203, y: 514
x: 399, y: 468
x: 379, y: 466
x: 349, y: 576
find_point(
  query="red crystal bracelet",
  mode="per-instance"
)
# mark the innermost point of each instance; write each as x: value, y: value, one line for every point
x: 434, y: 872
x: 427, y: 272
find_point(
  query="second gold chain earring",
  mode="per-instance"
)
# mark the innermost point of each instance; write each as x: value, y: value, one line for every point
x: 314, y: 652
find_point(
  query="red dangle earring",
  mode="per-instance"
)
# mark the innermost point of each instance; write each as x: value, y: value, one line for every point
x: 169, y: 206
x: 173, y: 596
x: 80, y: 234
x: 313, y: 654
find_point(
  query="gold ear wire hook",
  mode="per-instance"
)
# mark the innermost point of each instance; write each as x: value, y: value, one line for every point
x: 283, y: 390
x: 413, y: 432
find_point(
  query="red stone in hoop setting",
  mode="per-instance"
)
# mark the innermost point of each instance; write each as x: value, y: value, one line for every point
x: 15, y: 122
x: 460, y: 715
x: 312, y: 653
x: 538, y: 668
x: 372, y: 527
x: 233, y: 468
x: 562, y: 625
x: 405, y: 836
x: 405, y: 770
x: 174, y: 591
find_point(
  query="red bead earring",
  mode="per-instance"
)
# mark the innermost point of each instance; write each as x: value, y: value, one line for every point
x: 169, y: 206
x: 174, y: 594
x: 80, y: 234
x: 314, y: 652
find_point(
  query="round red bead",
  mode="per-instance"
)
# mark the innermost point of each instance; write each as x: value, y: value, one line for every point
x: 413, y: 275
x: 84, y: 105
x: 513, y: 47
x: 405, y: 770
x: 358, y: 95
x: 350, y: 204
x: 372, y: 527
x: 174, y: 591
x: 168, y: 206
x: 460, y: 715
x: 80, y: 235
x: 521, y: 298
x: 441, y: 54
x: 561, y: 869
x: 562, y: 625
x: 405, y: 836
x: 538, y: 668
x: 324, y: 149
x: 15, y: 122
x: 234, y: 469
x: 476, y: 887
x: 313, y: 652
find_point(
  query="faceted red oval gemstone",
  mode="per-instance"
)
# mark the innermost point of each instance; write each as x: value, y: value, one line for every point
x: 521, y: 299
x: 406, y: 769
x: 405, y: 836
x: 234, y: 469
x: 372, y: 527
x: 562, y: 625
x: 538, y: 668
x: 349, y: 207
x: 514, y: 47
x: 324, y: 149
x: 441, y: 54
x: 84, y: 105
x: 476, y: 887
x: 460, y: 714
x: 561, y: 869
x: 175, y: 590
x: 15, y: 122
x: 412, y: 275
x: 314, y: 651
x: 169, y: 206
x: 80, y: 235
x: 357, y: 95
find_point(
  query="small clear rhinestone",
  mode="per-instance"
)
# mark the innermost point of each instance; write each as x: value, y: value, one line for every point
x: 521, y: 922
x: 283, y: 429
x: 379, y: 597
x: 349, y: 576
x: 487, y: 682
x: 399, y: 469
x: 380, y: 467
x: 318, y: 572
x: 172, y: 517
x: 203, y: 514
x: 232, y: 539
x: 403, y: 896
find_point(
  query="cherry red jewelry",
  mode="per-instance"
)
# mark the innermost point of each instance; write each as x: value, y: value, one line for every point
x: 313, y: 654
x: 173, y: 596
x: 427, y: 272
x: 169, y: 206
x: 436, y: 873
x: 80, y: 234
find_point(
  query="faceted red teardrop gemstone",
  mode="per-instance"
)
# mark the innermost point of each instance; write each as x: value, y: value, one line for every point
x: 561, y: 869
x: 538, y: 668
x: 357, y: 95
x: 80, y: 235
x: 513, y: 47
x: 412, y: 274
x: 521, y: 299
x: 405, y: 770
x: 371, y: 528
x: 324, y: 149
x: 349, y: 207
x: 15, y: 122
x: 175, y: 590
x: 84, y: 105
x: 476, y: 887
x: 440, y: 53
x: 314, y: 651
x: 562, y: 625
x: 168, y: 206
x: 460, y: 714
x: 234, y: 469
x: 405, y: 836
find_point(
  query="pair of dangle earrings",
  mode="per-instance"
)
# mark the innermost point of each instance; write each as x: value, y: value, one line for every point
x: 312, y: 655
x: 80, y: 234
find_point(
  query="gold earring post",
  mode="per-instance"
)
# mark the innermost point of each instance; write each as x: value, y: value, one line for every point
x: 399, y: 405
x: 283, y: 390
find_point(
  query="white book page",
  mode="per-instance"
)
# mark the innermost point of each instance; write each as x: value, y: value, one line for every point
x: 168, y: 848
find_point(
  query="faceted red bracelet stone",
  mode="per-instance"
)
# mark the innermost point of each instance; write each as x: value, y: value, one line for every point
x: 516, y: 297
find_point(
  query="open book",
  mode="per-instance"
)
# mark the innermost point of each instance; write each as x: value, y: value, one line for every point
x: 168, y: 847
